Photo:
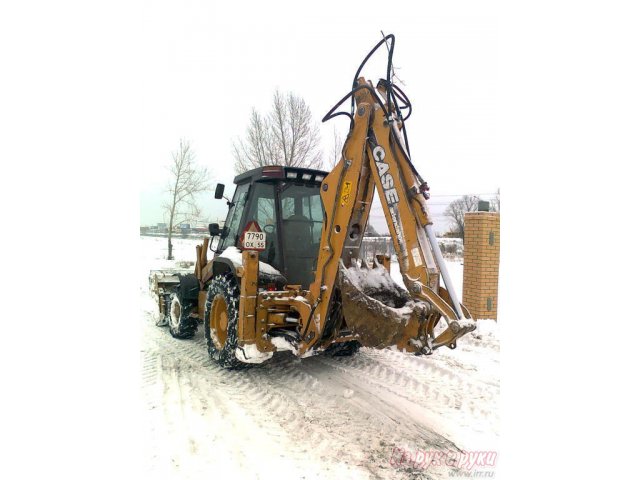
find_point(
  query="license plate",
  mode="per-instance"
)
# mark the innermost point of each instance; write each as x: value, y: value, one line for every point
x: 255, y: 241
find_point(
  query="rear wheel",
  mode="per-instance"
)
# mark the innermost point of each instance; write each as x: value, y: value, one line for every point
x: 181, y: 324
x: 221, y: 320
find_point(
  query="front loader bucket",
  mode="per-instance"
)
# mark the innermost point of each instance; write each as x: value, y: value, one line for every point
x: 382, y: 314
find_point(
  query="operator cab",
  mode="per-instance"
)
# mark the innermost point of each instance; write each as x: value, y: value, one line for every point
x: 286, y: 204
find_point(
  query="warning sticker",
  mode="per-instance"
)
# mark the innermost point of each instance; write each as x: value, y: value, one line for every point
x: 346, y: 193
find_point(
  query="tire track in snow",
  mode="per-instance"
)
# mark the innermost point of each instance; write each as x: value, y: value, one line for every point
x: 428, y: 379
x: 424, y: 401
x: 300, y: 404
x: 246, y: 401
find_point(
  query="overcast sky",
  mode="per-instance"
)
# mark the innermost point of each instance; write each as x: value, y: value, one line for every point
x: 206, y: 65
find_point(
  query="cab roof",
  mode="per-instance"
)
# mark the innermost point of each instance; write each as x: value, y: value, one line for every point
x: 279, y: 172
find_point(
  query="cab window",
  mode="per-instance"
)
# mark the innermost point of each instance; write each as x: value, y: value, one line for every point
x: 263, y: 211
x: 234, y: 216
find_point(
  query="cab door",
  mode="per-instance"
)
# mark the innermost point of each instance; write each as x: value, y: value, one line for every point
x: 263, y: 210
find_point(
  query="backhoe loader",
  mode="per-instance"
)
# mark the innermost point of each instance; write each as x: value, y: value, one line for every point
x: 287, y: 272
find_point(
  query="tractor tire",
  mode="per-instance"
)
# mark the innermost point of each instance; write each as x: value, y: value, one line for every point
x: 221, y: 321
x: 345, y: 349
x: 181, y: 324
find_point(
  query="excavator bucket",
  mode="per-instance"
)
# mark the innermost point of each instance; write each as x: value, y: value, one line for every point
x: 378, y: 311
x: 382, y: 314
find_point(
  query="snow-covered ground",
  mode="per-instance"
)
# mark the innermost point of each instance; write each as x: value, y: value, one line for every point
x: 380, y: 414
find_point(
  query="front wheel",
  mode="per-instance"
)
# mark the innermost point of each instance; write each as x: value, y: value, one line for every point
x: 221, y: 320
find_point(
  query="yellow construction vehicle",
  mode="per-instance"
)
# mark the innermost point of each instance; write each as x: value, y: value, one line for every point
x: 287, y: 273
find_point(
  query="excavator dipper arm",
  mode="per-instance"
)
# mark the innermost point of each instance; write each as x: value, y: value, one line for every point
x: 373, y: 308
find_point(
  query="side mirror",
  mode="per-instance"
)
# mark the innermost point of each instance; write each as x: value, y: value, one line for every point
x: 214, y: 229
x: 219, y: 191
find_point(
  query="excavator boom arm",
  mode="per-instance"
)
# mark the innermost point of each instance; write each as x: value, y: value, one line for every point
x: 372, y: 307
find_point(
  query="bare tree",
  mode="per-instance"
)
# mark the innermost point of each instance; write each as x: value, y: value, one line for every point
x: 259, y: 146
x: 456, y: 210
x: 286, y: 136
x: 187, y: 180
x: 495, y: 202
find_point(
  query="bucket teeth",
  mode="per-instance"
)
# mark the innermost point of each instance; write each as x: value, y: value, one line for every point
x: 359, y: 263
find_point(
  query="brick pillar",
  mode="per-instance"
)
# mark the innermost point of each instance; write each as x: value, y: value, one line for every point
x: 481, y: 262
